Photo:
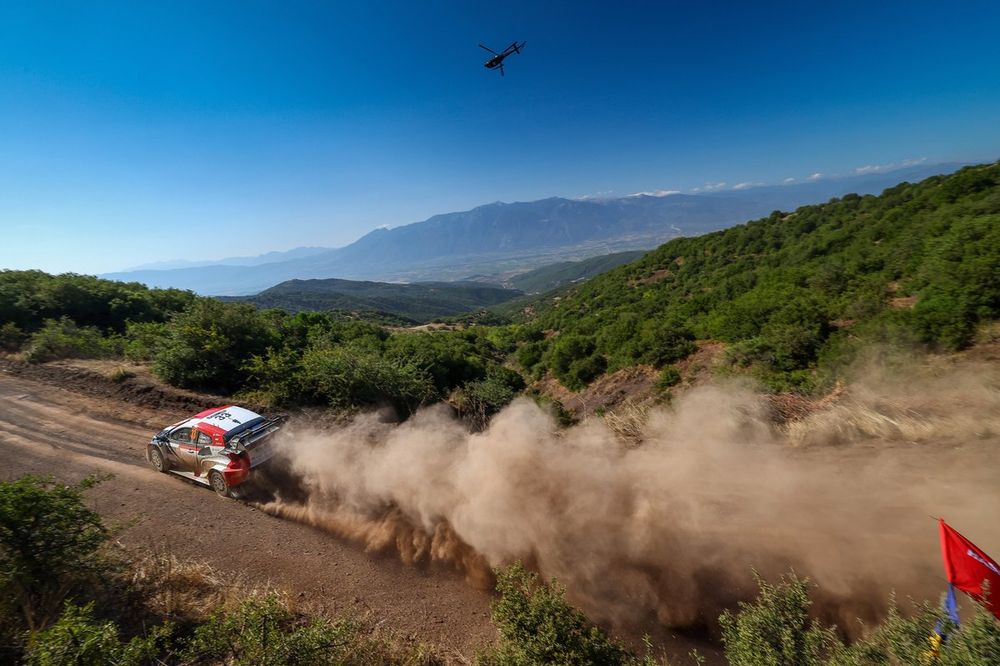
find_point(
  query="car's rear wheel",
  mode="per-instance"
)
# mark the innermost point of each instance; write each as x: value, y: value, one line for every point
x: 157, y: 461
x: 218, y: 483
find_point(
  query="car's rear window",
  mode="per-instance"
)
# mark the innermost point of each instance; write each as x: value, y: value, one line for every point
x: 243, y: 427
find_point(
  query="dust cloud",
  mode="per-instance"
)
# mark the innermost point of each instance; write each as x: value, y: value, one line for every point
x: 668, y: 531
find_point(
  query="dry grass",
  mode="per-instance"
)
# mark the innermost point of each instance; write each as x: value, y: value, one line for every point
x: 628, y: 421
x: 191, y: 592
x: 186, y: 589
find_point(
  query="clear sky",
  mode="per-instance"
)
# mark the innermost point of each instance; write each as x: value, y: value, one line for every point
x: 138, y: 131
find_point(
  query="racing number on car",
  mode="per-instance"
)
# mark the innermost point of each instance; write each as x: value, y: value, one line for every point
x: 223, y: 416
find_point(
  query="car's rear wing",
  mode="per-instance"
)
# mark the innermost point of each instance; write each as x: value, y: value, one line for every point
x: 253, y: 437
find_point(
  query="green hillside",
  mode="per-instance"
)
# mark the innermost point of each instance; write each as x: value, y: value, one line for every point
x: 549, y: 277
x: 417, y: 302
x: 793, y: 294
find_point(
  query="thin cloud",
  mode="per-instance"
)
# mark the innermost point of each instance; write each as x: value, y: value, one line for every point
x: 881, y: 168
x: 815, y: 176
x: 655, y: 193
x: 745, y: 186
x: 606, y: 194
x: 788, y: 181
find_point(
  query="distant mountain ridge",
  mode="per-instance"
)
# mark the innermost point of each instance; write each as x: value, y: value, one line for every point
x: 257, y: 260
x: 497, y: 237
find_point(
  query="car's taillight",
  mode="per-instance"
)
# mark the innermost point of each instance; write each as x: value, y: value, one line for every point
x: 237, y: 471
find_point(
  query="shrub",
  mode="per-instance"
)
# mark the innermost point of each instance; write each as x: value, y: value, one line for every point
x: 78, y: 639
x: 143, y: 340
x: 264, y: 632
x: 343, y: 377
x: 49, y: 545
x: 775, y: 630
x: 663, y: 342
x: 945, y: 320
x: 583, y: 371
x: 479, y: 400
x: 11, y: 337
x: 530, y: 354
x: 208, y: 344
x: 670, y: 376
x: 976, y: 643
x: 62, y: 338
x: 538, y: 627
x: 908, y: 640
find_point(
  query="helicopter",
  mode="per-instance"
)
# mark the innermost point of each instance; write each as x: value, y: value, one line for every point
x: 498, y: 58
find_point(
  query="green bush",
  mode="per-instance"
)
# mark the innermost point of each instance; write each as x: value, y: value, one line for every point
x: 479, y: 400
x: 208, y: 345
x: 278, y: 374
x: 78, y: 639
x: 143, y: 340
x: 58, y: 339
x: 345, y: 377
x: 50, y: 545
x: 264, y: 632
x: 537, y: 627
x: 945, y: 319
x: 11, y: 337
x: 530, y: 355
x: 582, y: 371
x: 670, y: 376
x: 775, y: 630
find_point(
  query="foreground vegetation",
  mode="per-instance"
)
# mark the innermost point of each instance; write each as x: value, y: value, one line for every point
x: 66, y: 598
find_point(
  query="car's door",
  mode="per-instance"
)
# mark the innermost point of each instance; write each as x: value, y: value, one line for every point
x: 185, y: 449
x: 207, y: 452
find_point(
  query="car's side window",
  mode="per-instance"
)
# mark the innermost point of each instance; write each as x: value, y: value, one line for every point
x: 203, y: 439
x: 181, y: 435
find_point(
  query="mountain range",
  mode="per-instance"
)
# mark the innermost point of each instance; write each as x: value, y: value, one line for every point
x: 515, y: 237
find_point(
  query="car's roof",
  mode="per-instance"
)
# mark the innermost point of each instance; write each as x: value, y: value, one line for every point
x: 221, y: 419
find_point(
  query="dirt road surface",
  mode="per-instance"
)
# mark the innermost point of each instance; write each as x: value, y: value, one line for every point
x: 70, y: 422
x: 45, y: 429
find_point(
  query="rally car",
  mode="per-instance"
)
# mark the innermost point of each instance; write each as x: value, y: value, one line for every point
x: 222, y: 447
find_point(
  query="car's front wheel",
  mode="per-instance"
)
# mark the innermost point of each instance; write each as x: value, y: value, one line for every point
x: 157, y: 461
x: 218, y: 483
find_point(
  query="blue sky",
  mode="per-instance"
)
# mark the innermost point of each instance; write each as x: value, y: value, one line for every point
x: 132, y: 132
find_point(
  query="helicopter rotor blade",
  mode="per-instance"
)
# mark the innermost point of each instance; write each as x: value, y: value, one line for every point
x: 488, y: 49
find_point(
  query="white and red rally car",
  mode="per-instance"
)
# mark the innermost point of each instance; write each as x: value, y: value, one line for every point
x: 220, y: 447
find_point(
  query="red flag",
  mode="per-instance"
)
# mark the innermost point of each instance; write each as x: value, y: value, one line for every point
x: 967, y: 568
